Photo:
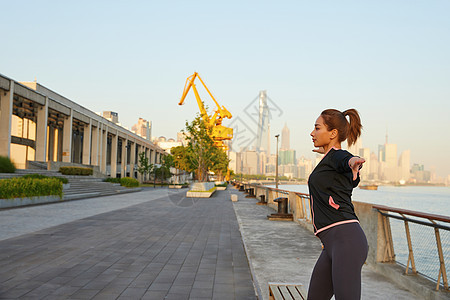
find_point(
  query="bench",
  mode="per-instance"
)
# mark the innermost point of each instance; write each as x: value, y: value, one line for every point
x: 285, y: 291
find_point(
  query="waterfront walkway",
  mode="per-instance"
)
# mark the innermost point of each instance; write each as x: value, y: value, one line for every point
x: 157, y: 244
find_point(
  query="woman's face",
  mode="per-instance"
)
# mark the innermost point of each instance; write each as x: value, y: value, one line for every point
x: 320, y: 135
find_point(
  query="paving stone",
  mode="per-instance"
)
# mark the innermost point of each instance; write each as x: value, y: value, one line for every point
x: 201, y: 293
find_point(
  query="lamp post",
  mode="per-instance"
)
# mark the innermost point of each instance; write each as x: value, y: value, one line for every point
x: 276, y: 165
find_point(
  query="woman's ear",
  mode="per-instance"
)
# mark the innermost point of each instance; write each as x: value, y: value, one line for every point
x: 334, y: 133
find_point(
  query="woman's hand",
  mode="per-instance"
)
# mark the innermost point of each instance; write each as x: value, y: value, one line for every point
x: 319, y: 150
x: 356, y: 164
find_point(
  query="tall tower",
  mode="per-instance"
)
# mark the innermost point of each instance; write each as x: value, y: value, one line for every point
x: 285, y: 138
x: 262, y: 138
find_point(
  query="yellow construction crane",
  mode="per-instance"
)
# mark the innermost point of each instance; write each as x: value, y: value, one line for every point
x: 219, y: 133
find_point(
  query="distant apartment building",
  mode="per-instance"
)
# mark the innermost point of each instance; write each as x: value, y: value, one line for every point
x: 286, y: 157
x: 166, y: 144
x: 304, y: 168
x: 419, y: 174
x: 143, y: 128
x: 111, y: 116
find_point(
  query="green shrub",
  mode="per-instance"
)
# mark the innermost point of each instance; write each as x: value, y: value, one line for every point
x: 225, y: 184
x: 29, y: 187
x: 129, y: 182
x: 40, y: 176
x: 76, y: 171
x: 6, y: 165
x: 113, y: 180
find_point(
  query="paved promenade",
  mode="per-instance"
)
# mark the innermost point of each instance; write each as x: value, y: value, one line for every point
x: 157, y: 244
x: 167, y: 247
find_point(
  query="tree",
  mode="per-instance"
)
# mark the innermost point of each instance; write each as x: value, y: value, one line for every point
x: 220, y: 163
x: 200, y: 155
x: 144, y: 167
x: 163, y: 172
x: 200, y: 148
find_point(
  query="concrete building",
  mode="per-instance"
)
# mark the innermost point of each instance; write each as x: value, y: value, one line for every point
x: 39, y: 125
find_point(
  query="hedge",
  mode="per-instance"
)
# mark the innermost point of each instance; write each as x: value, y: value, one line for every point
x: 6, y: 165
x: 76, y: 171
x: 129, y: 182
x: 113, y: 180
x: 29, y: 187
x: 40, y: 176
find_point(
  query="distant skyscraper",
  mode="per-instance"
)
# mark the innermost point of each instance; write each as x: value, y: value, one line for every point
x: 404, y: 165
x: 365, y: 171
x: 285, y: 138
x: 262, y: 138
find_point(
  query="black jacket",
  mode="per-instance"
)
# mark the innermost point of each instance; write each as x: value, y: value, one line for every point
x: 330, y: 187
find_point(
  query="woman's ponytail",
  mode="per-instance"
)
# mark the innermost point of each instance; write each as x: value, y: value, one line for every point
x: 354, y: 129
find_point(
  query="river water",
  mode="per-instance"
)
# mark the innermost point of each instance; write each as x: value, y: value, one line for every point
x: 426, y: 199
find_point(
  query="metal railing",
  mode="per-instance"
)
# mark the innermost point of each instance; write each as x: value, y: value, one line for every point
x: 418, y: 230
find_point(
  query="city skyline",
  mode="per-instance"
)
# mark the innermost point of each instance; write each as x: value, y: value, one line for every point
x: 387, y: 60
x: 387, y: 165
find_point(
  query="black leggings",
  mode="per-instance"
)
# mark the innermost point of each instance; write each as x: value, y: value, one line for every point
x: 338, y: 270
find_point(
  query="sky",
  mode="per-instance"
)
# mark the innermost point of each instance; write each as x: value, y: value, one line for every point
x: 387, y: 59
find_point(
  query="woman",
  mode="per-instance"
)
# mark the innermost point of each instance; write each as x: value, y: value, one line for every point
x: 338, y: 270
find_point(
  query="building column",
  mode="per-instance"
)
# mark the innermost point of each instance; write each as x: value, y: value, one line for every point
x: 41, y: 132
x: 132, y: 158
x: 124, y: 164
x: 114, y: 156
x: 148, y: 154
x: 95, y: 149
x: 87, y: 144
x: 104, y: 147
x: 59, y: 155
x: 152, y: 155
x: 6, y: 108
x: 67, y: 138
x: 51, y: 143
x: 139, y: 177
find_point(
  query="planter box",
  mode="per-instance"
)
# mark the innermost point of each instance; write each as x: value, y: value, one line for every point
x: 202, y: 186
x: 221, y: 188
x: 15, y: 202
x: 177, y: 186
x: 197, y: 194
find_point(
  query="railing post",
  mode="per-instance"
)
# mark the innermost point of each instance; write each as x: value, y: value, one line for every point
x: 441, y: 259
x: 411, y: 253
x: 389, y: 255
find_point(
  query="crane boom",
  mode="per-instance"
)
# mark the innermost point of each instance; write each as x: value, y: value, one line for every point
x: 219, y: 132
